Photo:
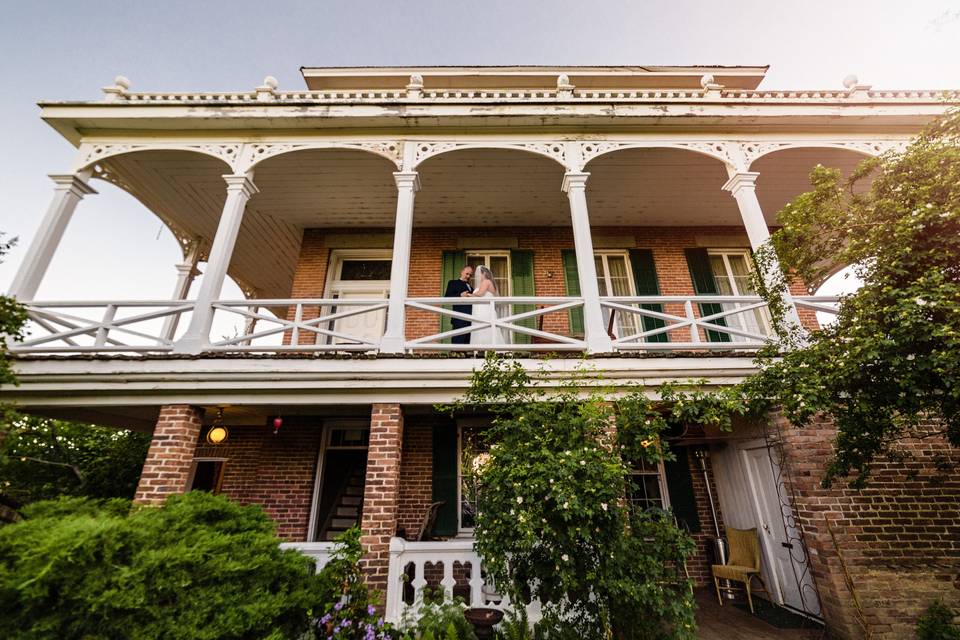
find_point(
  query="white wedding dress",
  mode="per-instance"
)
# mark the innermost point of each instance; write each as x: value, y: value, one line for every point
x: 484, y: 312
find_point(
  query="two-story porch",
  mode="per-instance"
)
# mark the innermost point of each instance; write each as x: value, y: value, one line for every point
x: 617, y: 209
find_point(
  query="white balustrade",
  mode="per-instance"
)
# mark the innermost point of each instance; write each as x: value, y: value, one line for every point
x: 320, y: 552
x: 332, y: 324
x: 495, y: 324
x: 451, y: 566
x: 100, y: 326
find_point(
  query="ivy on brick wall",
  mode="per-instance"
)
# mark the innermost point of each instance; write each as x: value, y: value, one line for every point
x: 891, y: 361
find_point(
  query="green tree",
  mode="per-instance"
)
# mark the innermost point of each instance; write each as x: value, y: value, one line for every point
x: 41, y: 459
x: 889, y: 367
x: 12, y: 319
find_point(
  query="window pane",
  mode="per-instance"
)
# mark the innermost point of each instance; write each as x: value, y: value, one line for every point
x: 365, y: 270
x: 501, y: 275
x: 720, y: 276
x: 741, y: 274
x: 473, y: 451
x: 619, y: 280
x: 645, y: 491
x: 601, y: 275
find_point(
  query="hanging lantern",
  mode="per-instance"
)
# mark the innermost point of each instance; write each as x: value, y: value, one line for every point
x: 277, y: 423
x: 218, y: 433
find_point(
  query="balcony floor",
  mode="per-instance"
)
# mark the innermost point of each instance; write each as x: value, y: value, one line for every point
x: 724, y: 623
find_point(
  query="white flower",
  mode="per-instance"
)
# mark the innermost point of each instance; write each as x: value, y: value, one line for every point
x: 583, y: 462
x: 603, y: 505
x: 566, y: 505
x: 519, y: 499
x: 921, y: 302
x: 565, y: 558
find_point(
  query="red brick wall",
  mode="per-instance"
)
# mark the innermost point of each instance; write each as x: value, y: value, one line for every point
x: 416, y: 475
x: 899, y: 537
x: 667, y: 243
x: 276, y: 472
x: 381, y: 492
x: 170, y: 457
x: 699, y: 564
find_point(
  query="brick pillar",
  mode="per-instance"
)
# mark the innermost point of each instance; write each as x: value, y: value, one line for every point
x: 167, y: 467
x: 381, y: 493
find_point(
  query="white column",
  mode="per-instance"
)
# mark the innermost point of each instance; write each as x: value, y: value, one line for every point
x: 575, y: 185
x: 743, y: 186
x: 69, y: 190
x: 408, y: 183
x: 240, y: 189
x: 186, y: 272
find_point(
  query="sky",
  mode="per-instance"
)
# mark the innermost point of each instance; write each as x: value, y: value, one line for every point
x: 115, y: 248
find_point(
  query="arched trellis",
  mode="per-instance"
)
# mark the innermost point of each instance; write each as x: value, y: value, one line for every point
x: 556, y: 151
x: 255, y: 153
x: 753, y: 151
x: 720, y: 150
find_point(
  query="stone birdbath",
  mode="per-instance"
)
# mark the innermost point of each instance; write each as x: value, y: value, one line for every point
x: 483, y: 619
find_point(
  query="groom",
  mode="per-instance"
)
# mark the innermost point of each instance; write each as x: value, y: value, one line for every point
x: 457, y: 289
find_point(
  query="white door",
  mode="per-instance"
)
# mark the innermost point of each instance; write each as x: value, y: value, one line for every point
x: 366, y: 327
x: 780, y: 544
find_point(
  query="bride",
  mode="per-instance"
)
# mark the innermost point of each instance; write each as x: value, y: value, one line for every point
x: 486, y: 288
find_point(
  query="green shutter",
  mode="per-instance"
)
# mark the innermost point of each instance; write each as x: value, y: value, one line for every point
x: 445, y: 478
x: 451, y: 265
x: 572, y: 279
x: 645, y: 278
x: 521, y: 263
x: 683, y: 501
x: 701, y: 273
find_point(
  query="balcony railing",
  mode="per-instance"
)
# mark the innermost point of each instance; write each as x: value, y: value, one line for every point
x: 419, y: 569
x: 520, y: 324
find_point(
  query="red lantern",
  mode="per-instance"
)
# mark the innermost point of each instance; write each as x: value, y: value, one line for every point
x: 277, y: 423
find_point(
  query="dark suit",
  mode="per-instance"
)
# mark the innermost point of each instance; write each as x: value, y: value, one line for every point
x: 454, y: 289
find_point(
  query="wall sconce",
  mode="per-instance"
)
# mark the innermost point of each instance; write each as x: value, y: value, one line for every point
x: 218, y: 433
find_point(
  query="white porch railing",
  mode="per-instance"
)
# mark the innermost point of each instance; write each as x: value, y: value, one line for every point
x: 495, y: 323
x: 451, y: 566
x: 332, y: 325
x: 102, y: 326
x: 321, y: 324
x: 319, y: 551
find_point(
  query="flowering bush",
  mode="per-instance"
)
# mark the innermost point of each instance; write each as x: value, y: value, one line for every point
x: 553, y: 522
x: 349, y: 612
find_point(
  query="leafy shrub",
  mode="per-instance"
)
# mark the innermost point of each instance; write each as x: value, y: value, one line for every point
x: 441, y: 620
x: 348, y: 610
x: 198, y: 567
x: 936, y: 623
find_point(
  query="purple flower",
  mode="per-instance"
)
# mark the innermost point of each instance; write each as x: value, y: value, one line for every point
x: 325, y: 619
x: 371, y: 610
x: 338, y: 606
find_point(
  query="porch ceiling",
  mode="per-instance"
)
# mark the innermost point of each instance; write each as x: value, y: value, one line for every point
x: 467, y: 189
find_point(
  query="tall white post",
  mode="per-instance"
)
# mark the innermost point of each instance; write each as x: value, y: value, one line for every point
x: 69, y: 190
x: 408, y: 183
x: 743, y: 186
x: 240, y: 189
x: 575, y: 186
x: 186, y: 272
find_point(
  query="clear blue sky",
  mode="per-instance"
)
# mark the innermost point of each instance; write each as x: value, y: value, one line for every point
x: 68, y: 50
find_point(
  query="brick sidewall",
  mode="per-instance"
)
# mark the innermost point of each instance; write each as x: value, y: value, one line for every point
x: 166, y: 469
x: 416, y: 475
x: 276, y: 472
x: 381, y: 493
x: 899, y: 538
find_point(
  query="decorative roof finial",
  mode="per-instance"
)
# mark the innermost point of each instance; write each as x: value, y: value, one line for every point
x: 850, y: 81
x: 710, y: 84
x: 415, y: 86
x: 117, y: 91
x: 271, y: 82
x: 267, y: 91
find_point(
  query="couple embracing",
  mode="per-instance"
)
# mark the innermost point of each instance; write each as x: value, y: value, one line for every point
x: 486, y: 288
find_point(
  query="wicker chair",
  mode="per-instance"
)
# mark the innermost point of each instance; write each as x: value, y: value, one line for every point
x: 742, y: 566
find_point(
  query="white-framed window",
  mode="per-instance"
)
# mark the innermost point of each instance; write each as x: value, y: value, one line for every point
x: 732, y: 269
x: 499, y: 263
x: 649, y: 487
x: 615, y: 278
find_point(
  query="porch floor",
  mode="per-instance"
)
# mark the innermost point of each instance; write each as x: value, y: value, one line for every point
x: 727, y: 622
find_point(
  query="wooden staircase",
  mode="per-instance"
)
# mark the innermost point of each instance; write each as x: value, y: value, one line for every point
x: 348, y: 506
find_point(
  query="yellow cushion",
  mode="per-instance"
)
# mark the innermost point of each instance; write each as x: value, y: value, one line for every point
x: 733, y: 571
